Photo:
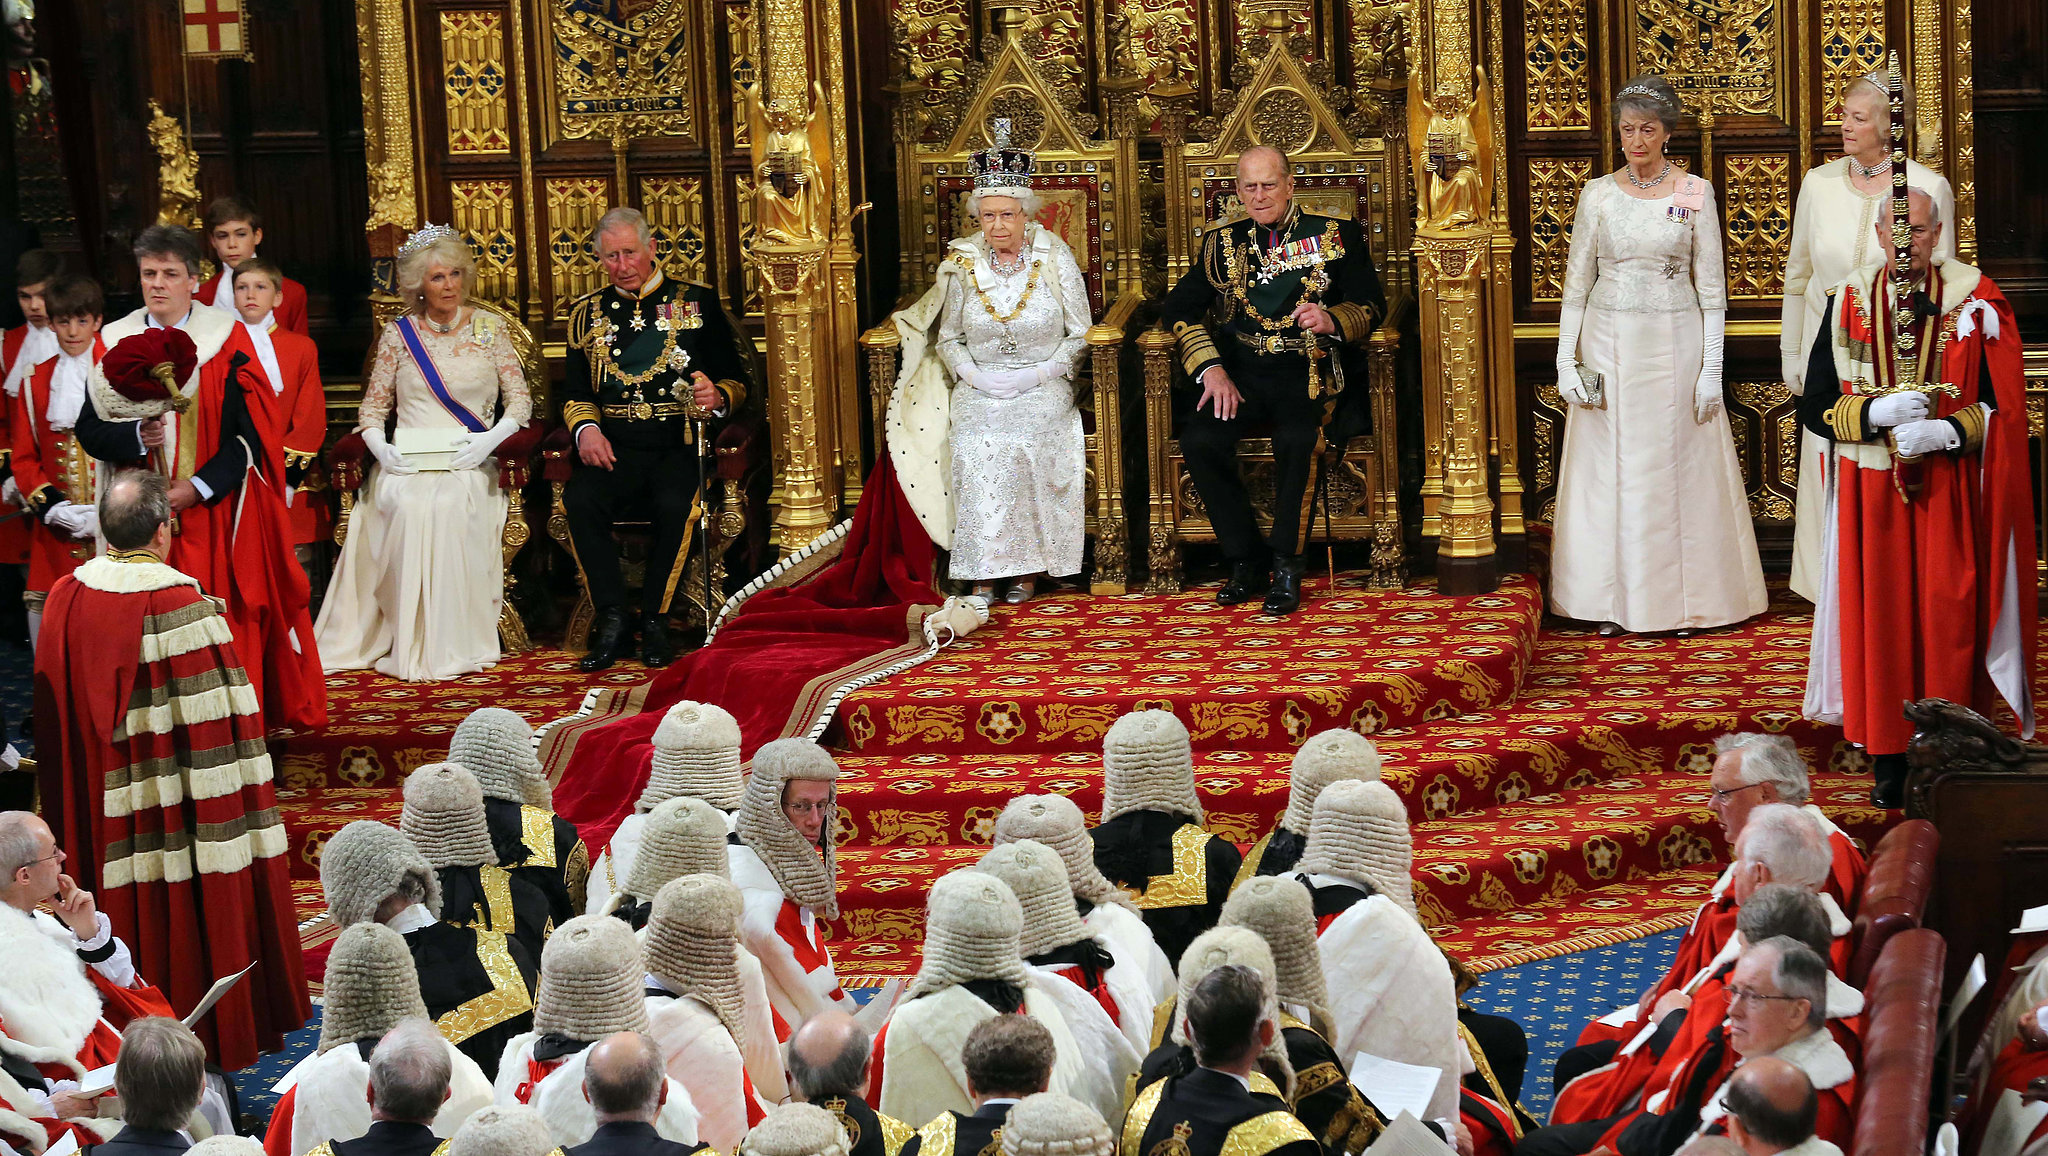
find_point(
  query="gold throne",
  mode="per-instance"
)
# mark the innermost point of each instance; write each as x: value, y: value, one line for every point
x: 347, y: 461
x: 1089, y: 187
x: 1335, y: 172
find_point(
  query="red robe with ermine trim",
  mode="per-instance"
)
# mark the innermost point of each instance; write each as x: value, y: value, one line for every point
x: 1936, y: 589
x: 157, y: 782
x: 38, y: 461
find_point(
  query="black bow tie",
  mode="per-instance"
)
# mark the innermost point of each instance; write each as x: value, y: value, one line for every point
x: 1923, y: 305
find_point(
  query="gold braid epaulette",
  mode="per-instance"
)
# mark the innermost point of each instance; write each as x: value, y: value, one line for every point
x: 580, y: 334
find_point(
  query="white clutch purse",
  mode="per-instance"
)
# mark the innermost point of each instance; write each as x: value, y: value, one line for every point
x: 430, y: 449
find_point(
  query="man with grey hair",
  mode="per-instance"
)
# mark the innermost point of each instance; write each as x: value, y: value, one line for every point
x: 1752, y: 769
x: 1272, y: 323
x: 828, y: 1066
x: 1925, y: 600
x: 160, y: 1079
x: 649, y: 358
x: 234, y: 528
x: 171, y: 818
x: 624, y: 1082
x: 411, y: 1077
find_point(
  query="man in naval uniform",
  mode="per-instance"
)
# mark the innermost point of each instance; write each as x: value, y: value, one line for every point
x: 645, y: 353
x: 1265, y: 292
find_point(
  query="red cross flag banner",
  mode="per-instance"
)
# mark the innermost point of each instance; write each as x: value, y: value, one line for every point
x: 215, y: 28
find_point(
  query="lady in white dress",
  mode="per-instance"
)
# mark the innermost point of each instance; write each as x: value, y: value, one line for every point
x: 1834, y: 235
x: 1652, y: 529
x: 982, y: 427
x: 418, y: 588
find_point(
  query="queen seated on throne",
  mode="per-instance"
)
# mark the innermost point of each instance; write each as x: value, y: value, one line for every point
x: 984, y: 430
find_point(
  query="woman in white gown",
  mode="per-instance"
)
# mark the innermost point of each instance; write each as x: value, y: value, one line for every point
x: 418, y: 588
x: 1834, y: 231
x: 1652, y: 529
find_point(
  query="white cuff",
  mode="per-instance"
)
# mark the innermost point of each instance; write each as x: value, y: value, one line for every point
x: 205, y: 491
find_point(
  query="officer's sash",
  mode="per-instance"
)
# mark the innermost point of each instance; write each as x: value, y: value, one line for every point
x: 432, y: 373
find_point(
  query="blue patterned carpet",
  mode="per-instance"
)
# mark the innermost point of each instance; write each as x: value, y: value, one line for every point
x: 1552, y: 999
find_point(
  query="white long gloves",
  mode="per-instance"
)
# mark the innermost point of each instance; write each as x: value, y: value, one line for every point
x: 74, y: 519
x: 1003, y: 384
x: 1895, y: 409
x: 389, y: 459
x: 481, y: 446
x: 1706, y: 392
x: 1569, y: 386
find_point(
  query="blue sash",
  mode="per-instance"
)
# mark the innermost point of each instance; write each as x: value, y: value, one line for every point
x: 428, y: 370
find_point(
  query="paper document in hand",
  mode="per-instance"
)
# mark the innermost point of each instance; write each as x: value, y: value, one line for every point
x: 1408, y: 1136
x: 1973, y: 982
x: 97, y: 1082
x: 2012, y: 1121
x: 1395, y: 1087
x: 64, y: 1146
x: 220, y: 988
x: 1619, y: 1016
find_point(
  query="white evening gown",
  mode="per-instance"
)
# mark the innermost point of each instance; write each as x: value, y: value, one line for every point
x: 1834, y: 234
x: 1652, y: 527
x: 1019, y: 468
x: 418, y: 588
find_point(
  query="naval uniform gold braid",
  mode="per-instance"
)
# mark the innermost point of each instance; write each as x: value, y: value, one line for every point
x: 1234, y: 257
x: 507, y: 997
x: 602, y: 349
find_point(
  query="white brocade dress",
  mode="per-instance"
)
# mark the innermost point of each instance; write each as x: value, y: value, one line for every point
x: 418, y: 588
x: 1652, y: 528
x: 1018, y: 463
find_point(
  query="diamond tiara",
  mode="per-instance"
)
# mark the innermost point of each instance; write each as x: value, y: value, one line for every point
x: 427, y: 235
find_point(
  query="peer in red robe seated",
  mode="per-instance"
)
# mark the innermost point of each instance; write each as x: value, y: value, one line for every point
x: 2006, y: 1106
x: 1777, y: 1006
x: 157, y: 781
x: 68, y: 985
x: 1752, y: 770
x: 231, y: 531
x: 1929, y: 537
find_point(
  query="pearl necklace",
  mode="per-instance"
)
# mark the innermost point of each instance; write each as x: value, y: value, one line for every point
x: 437, y: 327
x: 1866, y: 173
x: 1653, y: 182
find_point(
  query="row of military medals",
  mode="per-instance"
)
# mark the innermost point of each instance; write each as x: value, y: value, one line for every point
x: 674, y: 357
x: 1306, y: 252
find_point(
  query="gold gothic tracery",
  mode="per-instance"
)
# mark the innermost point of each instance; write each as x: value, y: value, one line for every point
x: 1559, y: 55
x: 484, y: 213
x: 1553, y: 199
x: 1851, y: 45
x: 474, y: 77
x: 574, y: 205
x: 675, y: 214
x: 1757, y: 224
x: 621, y: 69
x: 1723, y: 54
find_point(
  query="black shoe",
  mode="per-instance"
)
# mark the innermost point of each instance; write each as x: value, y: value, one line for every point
x: 1243, y: 585
x: 1285, y: 596
x: 1889, y: 791
x: 609, y: 641
x: 656, y: 651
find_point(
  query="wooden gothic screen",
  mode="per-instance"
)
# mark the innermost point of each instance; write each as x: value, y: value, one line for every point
x: 1761, y: 81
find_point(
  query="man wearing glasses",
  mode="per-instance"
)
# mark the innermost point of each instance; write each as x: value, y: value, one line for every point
x: 1754, y: 770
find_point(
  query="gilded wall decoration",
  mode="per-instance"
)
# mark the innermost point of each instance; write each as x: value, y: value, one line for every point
x: 1560, y: 85
x: 1722, y: 54
x: 934, y: 36
x: 750, y: 275
x: 474, y: 81
x: 621, y: 66
x: 740, y: 34
x: 1554, y: 186
x: 1061, y: 27
x: 1851, y: 45
x: 1772, y: 463
x: 675, y: 213
x: 1757, y: 222
x: 486, y: 214
x: 1155, y: 39
x: 1379, y: 42
x: 574, y: 205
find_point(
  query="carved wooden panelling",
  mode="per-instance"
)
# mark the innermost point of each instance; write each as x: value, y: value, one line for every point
x: 475, y: 81
x: 1559, y: 63
x: 621, y: 64
x: 1553, y: 198
x: 1851, y: 45
x: 675, y: 212
x: 742, y: 36
x: 574, y: 205
x: 750, y: 277
x: 1757, y: 224
x: 1724, y: 53
x: 486, y: 214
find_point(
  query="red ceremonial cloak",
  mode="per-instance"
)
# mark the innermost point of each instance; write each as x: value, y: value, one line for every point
x: 156, y: 781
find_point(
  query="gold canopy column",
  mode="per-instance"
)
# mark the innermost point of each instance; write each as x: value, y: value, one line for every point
x: 1451, y: 148
x: 796, y: 219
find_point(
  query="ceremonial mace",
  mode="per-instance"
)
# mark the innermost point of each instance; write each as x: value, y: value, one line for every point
x: 1908, y: 476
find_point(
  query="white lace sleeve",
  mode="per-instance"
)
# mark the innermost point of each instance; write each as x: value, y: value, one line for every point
x: 1709, y: 274
x: 1074, y: 304
x: 380, y: 393
x: 515, y: 399
x: 1582, y: 262
x: 952, y: 346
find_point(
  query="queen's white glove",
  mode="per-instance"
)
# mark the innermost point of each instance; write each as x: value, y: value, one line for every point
x: 390, y: 460
x: 1915, y: 438
x: 74, y: 519
x: 479, y: 448
x: 1896, y: 409
x: 1003, y: 384
x: 9, y: 492
x: 1706, y: 392
x: 1055, y: 370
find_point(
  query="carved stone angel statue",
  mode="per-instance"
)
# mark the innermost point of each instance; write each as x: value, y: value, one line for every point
x: 1450, y: 145
x: 795, y: 199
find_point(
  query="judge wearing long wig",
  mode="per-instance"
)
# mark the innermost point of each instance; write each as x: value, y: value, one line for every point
x: 982, y: 428
x: 417, y: 591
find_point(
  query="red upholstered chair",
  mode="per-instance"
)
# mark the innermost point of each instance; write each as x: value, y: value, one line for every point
x: 735, y: 500
x: 347, y: 459
x: 1895, y: 891
x: 1896, y: 1079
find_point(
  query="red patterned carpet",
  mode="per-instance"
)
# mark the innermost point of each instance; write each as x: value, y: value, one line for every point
x: 1557, y: 779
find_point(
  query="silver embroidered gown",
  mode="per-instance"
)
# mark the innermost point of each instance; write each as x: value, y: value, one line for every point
x: 1018, y: 463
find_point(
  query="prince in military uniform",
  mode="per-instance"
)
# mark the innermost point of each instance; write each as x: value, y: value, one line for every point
x: 647, y: 356
x: 1272, y: 322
